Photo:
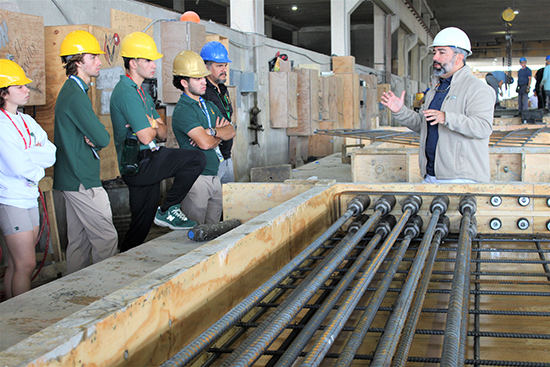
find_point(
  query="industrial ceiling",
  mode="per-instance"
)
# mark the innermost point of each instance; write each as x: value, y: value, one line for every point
x: 481, y: 19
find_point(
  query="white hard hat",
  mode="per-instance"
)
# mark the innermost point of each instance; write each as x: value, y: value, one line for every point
x: 452, y: 36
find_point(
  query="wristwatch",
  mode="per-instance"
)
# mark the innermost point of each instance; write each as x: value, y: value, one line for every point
x: 213, y: 132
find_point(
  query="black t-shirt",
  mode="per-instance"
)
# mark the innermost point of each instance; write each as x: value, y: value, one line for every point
x: 223, y: 102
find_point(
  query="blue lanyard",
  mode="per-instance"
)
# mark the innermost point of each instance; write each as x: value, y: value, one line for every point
x: 205, y: 110
x: 78, y: 82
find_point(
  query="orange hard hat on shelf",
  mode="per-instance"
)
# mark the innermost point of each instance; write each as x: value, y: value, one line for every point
x: 190, y: 16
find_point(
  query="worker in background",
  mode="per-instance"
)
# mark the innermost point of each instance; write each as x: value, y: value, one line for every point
x: 135, y: 118
x: 216, y: 59
x: 541, y: 95
x: 24, y: 154
x: 79, y: 136
x: 456, y: 120
x: 545, y: 83
x: 496, y: 79
x: 199, y: 125
x: 524, y: 84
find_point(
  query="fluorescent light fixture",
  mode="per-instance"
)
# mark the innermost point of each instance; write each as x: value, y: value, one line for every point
x: 294, y: 7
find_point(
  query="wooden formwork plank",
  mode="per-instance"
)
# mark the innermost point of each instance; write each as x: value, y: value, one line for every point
x: 246, y: 202
x: 308, y: 86
x: 129, y: 23
x: 350, y: 98
x: 22, y: 40
x: 283, y: 107
x: 375, y: 164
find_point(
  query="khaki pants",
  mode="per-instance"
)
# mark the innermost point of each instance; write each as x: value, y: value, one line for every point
x: 90, y: 230
x: 203, y: 203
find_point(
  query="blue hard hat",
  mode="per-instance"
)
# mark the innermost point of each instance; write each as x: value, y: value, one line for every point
x: 522, y: 59
x: 548, y: 58
x: 215, y: 51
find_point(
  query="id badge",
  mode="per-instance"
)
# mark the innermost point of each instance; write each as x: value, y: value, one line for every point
x: 219, y: 154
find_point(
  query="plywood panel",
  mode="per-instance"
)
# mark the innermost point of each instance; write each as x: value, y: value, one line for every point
x: 536, y: 167
x: 343, y: 64
x: 283, y: 108
x: 372, y: 164
x: 22, y: 40
x: 129, y: 23
x: 246, y: 202
x: 308, y: 103
x: 370, y: 103
x: 322, y: 145
x: 350, y: 83
x: 177, y: 37
x: 109, y: 161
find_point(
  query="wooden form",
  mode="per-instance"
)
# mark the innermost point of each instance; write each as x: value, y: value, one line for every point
x: 375, y: 164
x: 350, y: 100
x: 343, y: 64
x: 368, y: 94
x: 307, y: 104
x: 100, y: 88
x: 129, y: 23
x: 177, y: 37
x: 283, y: 99
x: 271, y: 173
x: 154, y: 317
x: 22, y: 40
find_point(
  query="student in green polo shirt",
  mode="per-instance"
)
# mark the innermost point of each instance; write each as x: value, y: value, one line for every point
x: 199, y: 125
x: 79, y: 135
x: 133, y: 112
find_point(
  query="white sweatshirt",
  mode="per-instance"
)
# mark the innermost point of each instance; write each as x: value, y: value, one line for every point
x: 21, y: 169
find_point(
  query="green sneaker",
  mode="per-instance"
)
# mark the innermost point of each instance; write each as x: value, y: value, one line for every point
x: 173, y: 219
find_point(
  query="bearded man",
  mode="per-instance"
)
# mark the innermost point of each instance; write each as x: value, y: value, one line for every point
x: 456, y: 120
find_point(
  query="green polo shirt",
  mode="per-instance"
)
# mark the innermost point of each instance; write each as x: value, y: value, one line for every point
x: 188, y: 115
x: 75, y: 118
x: 129, y: 107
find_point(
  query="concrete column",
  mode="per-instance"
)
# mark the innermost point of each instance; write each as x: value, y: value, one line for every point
x: 248, y: 16
x: 401, y: 34
x: 415, y: 64
x: 340, y: 30
x: 269, y: 28
x: 410, y: 41
x: 379, y: 37
x: 178, y: 5
x: 295, y: 37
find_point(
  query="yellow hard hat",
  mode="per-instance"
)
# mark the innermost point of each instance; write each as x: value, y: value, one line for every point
x: 139, y: 45
x: 190, y: 64
x: 12, y: 74
x: 80, y: 42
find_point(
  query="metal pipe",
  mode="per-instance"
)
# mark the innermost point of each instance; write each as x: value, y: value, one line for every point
x: 403, y: 349
x: 294, y: 350
x: 452, y: 335
x: 203, y: 341
x: 251, y: 349
x: 324, y: 342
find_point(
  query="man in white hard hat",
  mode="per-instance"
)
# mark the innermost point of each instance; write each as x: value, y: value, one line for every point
x: 456, y: 120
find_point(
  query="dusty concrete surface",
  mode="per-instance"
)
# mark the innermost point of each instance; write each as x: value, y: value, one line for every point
x: 330, y: 167
x: 39, y: 308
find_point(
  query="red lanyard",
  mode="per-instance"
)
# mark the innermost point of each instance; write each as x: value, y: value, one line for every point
x: 19, y: 131
x: 138, y: 90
